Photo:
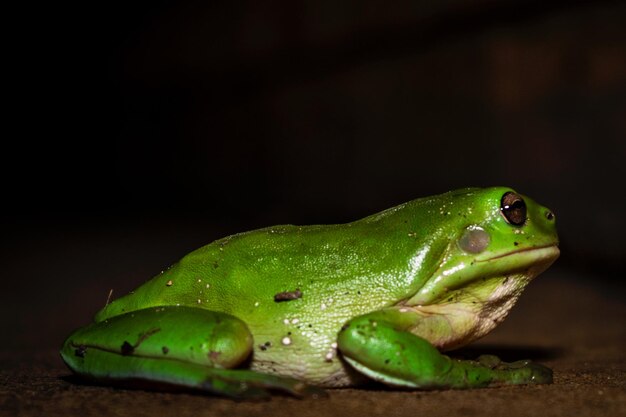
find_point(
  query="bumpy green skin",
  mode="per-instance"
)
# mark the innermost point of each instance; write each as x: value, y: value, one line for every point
x: 329, y: 305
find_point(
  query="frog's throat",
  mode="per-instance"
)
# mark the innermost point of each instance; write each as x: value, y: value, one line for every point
x: 448, y: 278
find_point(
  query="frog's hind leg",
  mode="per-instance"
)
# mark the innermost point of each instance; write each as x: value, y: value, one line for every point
x: 381, y: 346
x: 174, y: 347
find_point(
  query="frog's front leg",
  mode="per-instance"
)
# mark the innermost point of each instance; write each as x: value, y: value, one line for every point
x: 381, y: 346
x: 173, y: 346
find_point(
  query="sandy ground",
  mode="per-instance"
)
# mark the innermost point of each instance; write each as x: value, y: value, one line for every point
x: 569, y: 321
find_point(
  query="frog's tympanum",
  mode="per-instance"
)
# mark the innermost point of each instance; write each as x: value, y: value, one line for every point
x: 296, y: 308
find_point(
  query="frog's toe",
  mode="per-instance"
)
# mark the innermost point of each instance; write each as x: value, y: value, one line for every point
x: 522, y: 372
x: 490, y: 361
x: 539, y: 374
x: 308, y: 391
x: 517, y: 364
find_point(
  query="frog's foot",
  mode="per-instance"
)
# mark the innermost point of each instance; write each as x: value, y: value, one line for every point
x: 518, y: 372
x: 381, y: 346
x: 176, y: 347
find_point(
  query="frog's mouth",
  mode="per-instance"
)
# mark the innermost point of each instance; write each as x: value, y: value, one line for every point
x: 453, y: 274
x: 549, y: 250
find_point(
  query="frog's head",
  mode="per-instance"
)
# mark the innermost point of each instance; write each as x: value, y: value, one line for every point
x: 497, y: 241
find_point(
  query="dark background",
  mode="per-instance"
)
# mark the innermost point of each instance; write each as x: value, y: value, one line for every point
x: 176, y: 123
x: 139, y: 131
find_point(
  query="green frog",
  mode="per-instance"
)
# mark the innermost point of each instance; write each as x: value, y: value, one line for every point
x: 300, y: 308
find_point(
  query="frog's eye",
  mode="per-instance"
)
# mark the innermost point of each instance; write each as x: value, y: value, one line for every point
x: 513, y: 208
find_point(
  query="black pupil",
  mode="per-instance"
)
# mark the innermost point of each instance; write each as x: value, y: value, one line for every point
x: 513, y: 208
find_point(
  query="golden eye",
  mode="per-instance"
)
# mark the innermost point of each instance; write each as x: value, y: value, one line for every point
x: 513, y: 209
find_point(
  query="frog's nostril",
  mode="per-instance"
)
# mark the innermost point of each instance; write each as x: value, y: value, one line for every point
x: 549, y: 215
